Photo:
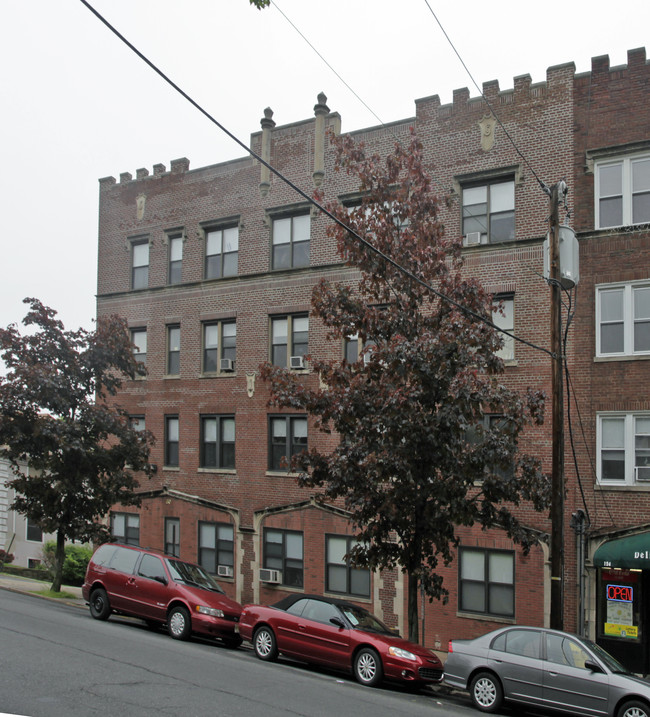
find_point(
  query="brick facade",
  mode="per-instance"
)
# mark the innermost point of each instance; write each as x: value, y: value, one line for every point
x: 554, y: 125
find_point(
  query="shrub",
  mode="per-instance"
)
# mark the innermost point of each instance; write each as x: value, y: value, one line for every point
x: 6, y: 557
x: 74, y: 564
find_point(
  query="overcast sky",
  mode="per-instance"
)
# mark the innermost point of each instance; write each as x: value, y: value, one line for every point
x: 79, y: 105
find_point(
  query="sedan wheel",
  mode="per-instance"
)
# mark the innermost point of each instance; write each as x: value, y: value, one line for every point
x: 100, y: 608
x: 264, y: 644
x: 486, y: 692
x: 179, y: 625
x: 633, y: 708
x: 367, y: 667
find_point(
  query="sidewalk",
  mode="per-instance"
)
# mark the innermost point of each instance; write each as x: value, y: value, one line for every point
x: 30, y: 586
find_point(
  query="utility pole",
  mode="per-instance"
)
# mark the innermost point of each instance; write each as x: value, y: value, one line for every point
x: 558, y: 193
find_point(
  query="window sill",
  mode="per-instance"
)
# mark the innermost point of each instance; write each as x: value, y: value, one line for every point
x: 622, y: 357
x: 348, y: 596
x: 487, y: 618
x: 225, y: 471
x: 171, y: 376
x: 222, y: 374
x: 281, y: 474
x: 171, y: 468
x: 624, y: 487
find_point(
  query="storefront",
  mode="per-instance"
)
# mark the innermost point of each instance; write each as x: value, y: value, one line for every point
x: 623, y: 600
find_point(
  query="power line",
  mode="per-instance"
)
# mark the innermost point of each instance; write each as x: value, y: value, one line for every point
x: 302, y: 193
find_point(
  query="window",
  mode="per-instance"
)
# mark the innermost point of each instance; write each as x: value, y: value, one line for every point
x: 354, y: 347
x: 151, y: 567
x: 283, y: 551
x: 171, y: 441
x: 622, y: 192
x: 487, y: 582
x: 341, y: 576
x: 525, y: 643
x: 221, y: 252
x: 173, y: 537
x: 138, y: 423
x: 217, y: 442
x: 503, y: 316
x: 290, y: 242
x: 173, y: 350
x: 125, y: 528
x: 219, y: 346
x: 288, y: 439
x: 499, y: 425
x: 489, y: 211
x: 623, y: 319
x: 624, y: 448
x: 140, y: 269
x: 34, y: 532
x: 564, y: 651
x: 216, y: 546
x: 289, y: 340
x: 175, y: 259
x: 139, y: 341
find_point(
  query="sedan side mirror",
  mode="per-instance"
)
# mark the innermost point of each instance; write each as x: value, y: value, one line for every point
x: 338, y: 622
x: 161, y: 579
x: 593, y: 666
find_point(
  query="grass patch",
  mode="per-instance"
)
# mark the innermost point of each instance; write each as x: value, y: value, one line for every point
x: 52, y: 594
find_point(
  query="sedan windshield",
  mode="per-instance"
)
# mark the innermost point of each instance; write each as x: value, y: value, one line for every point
x: 192, y: 575
x: 361, y: 619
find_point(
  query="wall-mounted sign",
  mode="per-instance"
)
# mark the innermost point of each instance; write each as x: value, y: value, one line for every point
x: 620, y: 593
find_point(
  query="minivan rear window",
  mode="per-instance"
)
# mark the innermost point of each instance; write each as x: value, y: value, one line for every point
x: 124, y: 560
x: 103, y: 554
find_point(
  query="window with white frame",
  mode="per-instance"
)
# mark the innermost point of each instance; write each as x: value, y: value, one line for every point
x: 125, y: 528
x: 623, y: 319
x: 341, y: 575
x: 221, y: 252
x: 487, y: 581
x: 290, y: 242
x: 503, y: 316
x: 624, y: 448
x: 139, y: 341
x: 34, y: 532
x: 171, y: 440
x: 173, y: 350
x: 489, y: 211
x: 140, y: 264
x: 622, y: 191
x: 219, y: 346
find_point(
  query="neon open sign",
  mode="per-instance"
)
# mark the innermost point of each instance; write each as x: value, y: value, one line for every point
x: 620, y: 593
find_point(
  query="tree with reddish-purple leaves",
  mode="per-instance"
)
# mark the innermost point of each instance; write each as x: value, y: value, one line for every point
x: 427, y: 431
x: 73, y: 451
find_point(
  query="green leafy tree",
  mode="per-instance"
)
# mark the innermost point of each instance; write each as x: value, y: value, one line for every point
x: 425, y: 432
x: 81, y: 451
x: 259, y: 4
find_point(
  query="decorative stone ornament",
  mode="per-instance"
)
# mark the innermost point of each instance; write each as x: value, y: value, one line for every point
x: 139, y: 206
x: 487, y: 125
x: 250, y: 383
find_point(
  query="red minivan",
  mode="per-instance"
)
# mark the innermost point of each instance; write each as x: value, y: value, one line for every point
x: 159, y: 589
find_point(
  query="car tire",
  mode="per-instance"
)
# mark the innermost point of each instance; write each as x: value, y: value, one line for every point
x: 100, y: 607
x: 232, y: 643
x: 179, y: 625
x: 633, y: 708
x: 367, y: 667
x: 264, y: 644
x: 486, y: 692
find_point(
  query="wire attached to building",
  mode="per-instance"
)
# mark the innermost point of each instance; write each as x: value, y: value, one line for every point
x: 306, y: 196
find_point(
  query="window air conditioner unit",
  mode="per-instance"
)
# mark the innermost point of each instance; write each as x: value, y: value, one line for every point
x: 297, y: 362
x: 642, y: 473
x: 225, y: 571
x: 226, y: 365
x: 472, y: 239
x: 270, y: 576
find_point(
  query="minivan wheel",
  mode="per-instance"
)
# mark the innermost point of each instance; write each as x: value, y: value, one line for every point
x: 367, y: 667
x: 486, y: 692
x: 100, y: 608
x: 633, y: 708
x: 179, y: 625
x: 264, y: 644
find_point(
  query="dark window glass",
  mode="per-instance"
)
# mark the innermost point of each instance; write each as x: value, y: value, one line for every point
x: 173, y: 537
x: 288, y: 438
x: 218, y: 442
x: 171, y: 441
x: 341, y: 576
x: 487, y: 581
x: 173, y: 350
x: 216, y: 546
x: 290, y: 242
x: 140, y: 257
x: 283, y: 550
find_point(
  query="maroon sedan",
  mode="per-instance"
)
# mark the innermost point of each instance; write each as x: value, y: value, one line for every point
x: 340, y: 635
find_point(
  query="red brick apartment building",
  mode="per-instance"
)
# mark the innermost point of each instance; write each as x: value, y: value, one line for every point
x: 213, y: 269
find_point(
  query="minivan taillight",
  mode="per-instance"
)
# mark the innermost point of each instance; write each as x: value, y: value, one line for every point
x: 450, y: 647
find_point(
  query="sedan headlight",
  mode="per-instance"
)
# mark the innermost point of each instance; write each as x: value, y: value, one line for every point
x: 404, y: 654
x: 213, y: 611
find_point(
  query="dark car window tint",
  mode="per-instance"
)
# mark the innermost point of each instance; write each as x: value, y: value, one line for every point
x: 523, y: 642
x: 320, y: 611
x: 563, y: 651
x: 151, y: 567
x: 124, y: 560
x: 103, y: 554
x: 297, y: 607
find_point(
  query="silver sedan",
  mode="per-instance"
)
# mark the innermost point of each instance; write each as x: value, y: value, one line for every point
x: 545, y: 668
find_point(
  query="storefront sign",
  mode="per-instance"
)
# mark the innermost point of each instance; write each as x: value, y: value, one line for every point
x: 614, y: 630
x: 620, y: 593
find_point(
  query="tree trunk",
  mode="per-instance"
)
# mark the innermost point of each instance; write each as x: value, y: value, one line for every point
x: 59, y: 557
x: 413, y: 607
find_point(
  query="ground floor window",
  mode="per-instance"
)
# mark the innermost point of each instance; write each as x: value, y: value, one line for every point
x: 125, y: 528
x: 283, y: 551
x: 217, y: 548
x: 173, y: 537
x: 341, y: 576
x: 487, y: 581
